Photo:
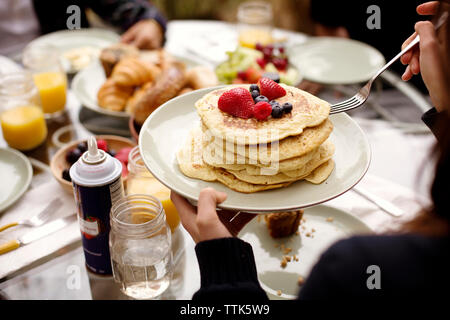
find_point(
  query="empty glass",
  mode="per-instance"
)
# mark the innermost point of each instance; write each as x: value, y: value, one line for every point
x: 140, y: 246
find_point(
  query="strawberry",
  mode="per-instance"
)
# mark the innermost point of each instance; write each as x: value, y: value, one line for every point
x: 262, y: 110
x: 238, y: 102
x: 270, y: 89
x: 102, y: 144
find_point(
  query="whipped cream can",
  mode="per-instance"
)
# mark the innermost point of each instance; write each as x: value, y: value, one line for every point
x: 97, y: 185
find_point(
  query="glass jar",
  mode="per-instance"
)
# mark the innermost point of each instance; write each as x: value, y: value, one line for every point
x: 141, y: 181
x: 21, y: 116
x: 255, y: 21
x: 140, y: 246
x: 43, y: 61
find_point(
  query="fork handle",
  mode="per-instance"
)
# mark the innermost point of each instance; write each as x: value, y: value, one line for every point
x: 407, y: 48
x: 9, y: 225
x: 416, y: 40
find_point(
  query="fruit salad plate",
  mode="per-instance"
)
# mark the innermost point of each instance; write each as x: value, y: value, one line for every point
x: 165, y: 131
x: 321, y: 226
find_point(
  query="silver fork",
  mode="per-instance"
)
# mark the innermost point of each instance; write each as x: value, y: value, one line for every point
x: 40, y: 218
x: 358, y: 99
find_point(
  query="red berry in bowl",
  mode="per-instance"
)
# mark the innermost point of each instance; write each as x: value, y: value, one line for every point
x: 102, y: 144
x: 262, y: 110
x: 242, y: 75
x: 259, y: 46
x: 261, y: 62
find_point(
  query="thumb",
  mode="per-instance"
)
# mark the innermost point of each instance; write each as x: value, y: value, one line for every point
x: 207, y: 203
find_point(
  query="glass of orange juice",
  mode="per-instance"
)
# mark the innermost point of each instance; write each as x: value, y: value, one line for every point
x: 21, y: 116
x: 141, y: 181
x: 255, y: 20
x: 43, y: 61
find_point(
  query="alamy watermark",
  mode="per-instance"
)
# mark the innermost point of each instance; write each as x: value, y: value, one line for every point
x: 374, y: 280
x: 74, y: 19
x: 374, y: 20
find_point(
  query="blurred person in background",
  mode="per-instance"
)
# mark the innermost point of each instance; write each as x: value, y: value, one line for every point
x: 382, y: 24
x: 413, y: 262
x: 23, y: 20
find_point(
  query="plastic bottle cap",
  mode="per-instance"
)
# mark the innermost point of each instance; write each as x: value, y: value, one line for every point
x: 93, y: 155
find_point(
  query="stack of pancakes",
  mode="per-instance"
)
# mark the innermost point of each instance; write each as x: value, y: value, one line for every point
x: 248, y: 155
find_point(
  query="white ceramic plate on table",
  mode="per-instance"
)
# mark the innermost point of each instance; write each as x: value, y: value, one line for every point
x: 166, y: 130
x: 88, y: 81
x: 66, y: 40
x: 282, y: 283
x: 330, y: 60
x: 16, y: 173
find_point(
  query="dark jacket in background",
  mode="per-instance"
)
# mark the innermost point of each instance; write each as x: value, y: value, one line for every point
x: 52, y: 15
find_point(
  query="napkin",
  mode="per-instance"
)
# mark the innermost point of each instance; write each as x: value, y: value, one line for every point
x: 33, y: 201
x: 378, y: 220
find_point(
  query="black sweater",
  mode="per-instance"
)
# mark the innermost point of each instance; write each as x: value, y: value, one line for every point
x: 409, y: 266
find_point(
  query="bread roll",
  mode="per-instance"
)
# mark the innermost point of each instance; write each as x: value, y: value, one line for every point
x: 201, y: 77
x: 165, y: 87
x: 111, y: 55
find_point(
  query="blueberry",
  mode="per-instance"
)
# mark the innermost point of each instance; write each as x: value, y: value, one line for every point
x: 274, y: 103
x: 112, y: 153
x: 277, y: 111
x: 82, y: 146
x: 73, y: 155
x: 287, y: 107
x: 261, y: 98
x: 66, y: 175
x: 255, y: 94
x: 272, y: 75
x: 254, y: 87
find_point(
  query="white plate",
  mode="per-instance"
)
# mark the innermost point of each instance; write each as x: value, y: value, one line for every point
x: 16, y: 173
x: 330, y: 60
x: 268, y: 254
x: 166, y: 129
x: 69, y: 39
x: 88, y: 81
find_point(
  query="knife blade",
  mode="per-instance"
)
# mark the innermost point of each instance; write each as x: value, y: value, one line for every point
x: 38, y: 233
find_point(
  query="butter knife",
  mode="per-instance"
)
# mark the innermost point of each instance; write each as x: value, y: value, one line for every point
x: 384, y: 205
x: 38, y: 233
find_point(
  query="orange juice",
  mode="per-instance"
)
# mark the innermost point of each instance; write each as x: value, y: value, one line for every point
x: 250, y: 37
x: 52, y: 87
x: 24, y: 127
x: 151, y: 186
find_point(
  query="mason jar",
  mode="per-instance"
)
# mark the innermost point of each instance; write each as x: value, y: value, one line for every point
x: 255, y: 23
x: 44, y: 62
x: 21, y: 116
x: 140, y: 246
x: 141, y: 181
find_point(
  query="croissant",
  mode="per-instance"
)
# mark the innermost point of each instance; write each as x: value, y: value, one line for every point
x: 134, y: 72
x: 113, y: 97
x: 167, y: 86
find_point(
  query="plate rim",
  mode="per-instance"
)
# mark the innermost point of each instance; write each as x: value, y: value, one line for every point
x: 28, y: 178
x: 335, y: 39
x: 243, y: 208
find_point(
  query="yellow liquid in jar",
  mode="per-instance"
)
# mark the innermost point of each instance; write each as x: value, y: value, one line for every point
x: 151, y: 186
x: 250, y: 37
x: 52, y: 87
x: 24, y: 127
